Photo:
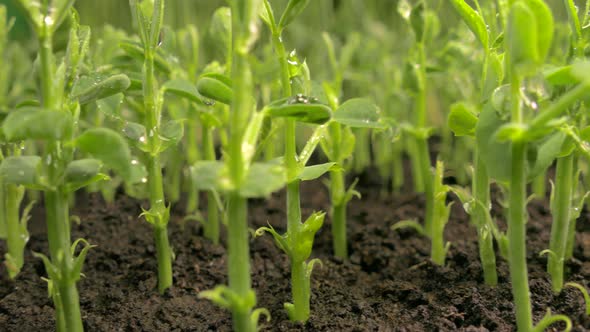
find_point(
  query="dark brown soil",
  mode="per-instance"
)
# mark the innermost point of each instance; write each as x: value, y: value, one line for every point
x: 389, y: 284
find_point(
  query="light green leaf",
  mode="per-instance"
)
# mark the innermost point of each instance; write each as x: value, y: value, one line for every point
x: 216, y: 87
x: 299, y: 108
x: 22, y: 170
x: 313, y: 172
x: 294, y: 9
x: 359, y: 113
x: 262, y: 180
x: 171, y: 133
x: 109, y: 147
x: 462, y: 119
x: 37, y: 124
x: 473, y: 20
x: 83, y: 172
x: 208, y: 175
x: 182, y: 88
x: 521, y: 40
x: 96, y: 86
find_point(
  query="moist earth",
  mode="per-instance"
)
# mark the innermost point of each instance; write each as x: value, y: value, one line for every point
x: 389, y: 283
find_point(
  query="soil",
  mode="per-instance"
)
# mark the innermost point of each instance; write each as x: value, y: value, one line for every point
x: 389, y: 284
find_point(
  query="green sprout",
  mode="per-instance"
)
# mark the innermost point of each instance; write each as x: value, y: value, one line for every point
x: 53, y: 119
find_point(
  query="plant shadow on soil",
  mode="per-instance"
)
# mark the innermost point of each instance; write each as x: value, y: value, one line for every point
x: 389, y: 284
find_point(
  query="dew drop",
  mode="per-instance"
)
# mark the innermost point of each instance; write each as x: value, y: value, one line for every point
x: 143, y: 180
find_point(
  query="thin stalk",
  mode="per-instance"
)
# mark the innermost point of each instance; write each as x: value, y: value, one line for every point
x: 156, y: 189
x: 517, y: 221
x: 239, y: 258
x: 539, y: 186
x: 517, y: 239
x: 299, y: 281
x: 561, y: 219
x: 397, y: 166
x: 212, y: 224
x: 58, y: 232
x: 338, y: 214
x: 481, y: 194
x: 14, y: 241
x: 68, y: 315
x: 3, y: 219
x: 426, y: 170
x: 192, y: 202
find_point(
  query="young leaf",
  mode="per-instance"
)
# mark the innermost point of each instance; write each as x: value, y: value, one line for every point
x: 220, y: 30
x: 294, y: 8
x: 313, y: 172
x: 498, y: 155
x: 94, y: 87
x: 171, y: 133
x: 301, y: 109
x: 82, y: 170
x: 109, y: 147
x: 473, y: 20
x: 22, y: 170
x: 37, y: 124
x: 359, y: 113
x: 544, y: 24
x: 304, y: 243
x: 111, y: 106
x: 216, y: 87
x: 462, y: 119
x: 182, y: 88
x: 262, y: 180
x: 207, y: 175
x: 417, y: 20
x: 522, y: 39
x: 135, y: 50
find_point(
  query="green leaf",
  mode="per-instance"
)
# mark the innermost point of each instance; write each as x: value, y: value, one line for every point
x: 37, y: 124
x: 83, y: 172
x: 76, y: 270
x: 94, y: 87
x: 544, y: 24
x: 109, y: 147
x: 22, y: 170
x: 547, y: 151
x: 220, y: 30
x: 417, y: 19
x: 299, y: 108
x: 208, y: 175
x: 135, y: 50
x: 498, y: 155
x: 184, y: 89
x: 171, y: 133
x: 521, y: 40
x: 462, y: 119
x: 313, y: 172
x: 111, y: 106
x: 359, y: 113
x: 473, y: 20
x: 262, y: 180
x: 216, y: 87
x: 294, y: 8
x: 304, y: 242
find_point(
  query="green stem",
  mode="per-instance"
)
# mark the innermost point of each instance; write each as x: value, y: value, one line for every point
x: 192, y: 202
x: 517, y: 239
x: 15, y: 241
x: 539, y: 187
x: 426, y: 170
x: 58, y: 232
x: 338, y: 214
x: 158, y: 207
x: 164, y: 258
x: 414, y: 154
x: 300, y: 288
x: 3, y: 222
x: 212, y: 224
x: 397, y: 165
x: 479, y: 217
x: 239, y: 259
x: 561, y: 206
